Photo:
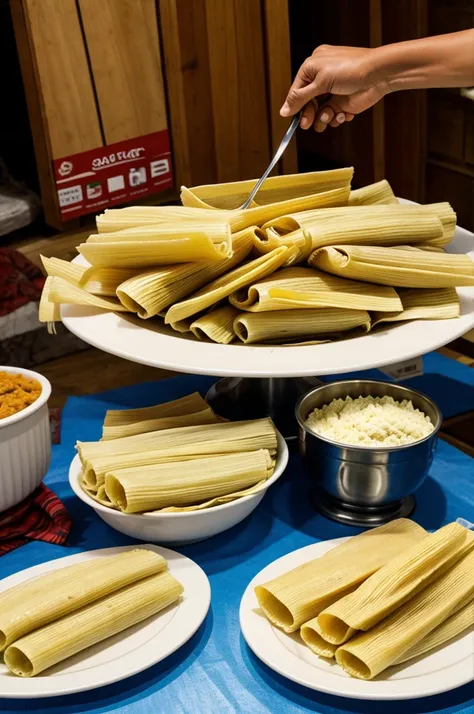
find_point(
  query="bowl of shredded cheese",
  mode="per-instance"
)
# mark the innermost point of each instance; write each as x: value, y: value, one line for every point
x: 366, y: 443
x: 25, y: 437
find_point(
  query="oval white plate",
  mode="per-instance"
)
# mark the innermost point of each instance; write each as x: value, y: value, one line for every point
x: 449, y: 667
x: 130, y: 651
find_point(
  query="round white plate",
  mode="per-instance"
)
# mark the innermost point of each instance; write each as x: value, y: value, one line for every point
x: 449, y: 667
x: 161, y: 347
x: 127, y: 653
x: 111, y: 333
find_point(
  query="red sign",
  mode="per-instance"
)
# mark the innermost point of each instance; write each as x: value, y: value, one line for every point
x: 110, y: 175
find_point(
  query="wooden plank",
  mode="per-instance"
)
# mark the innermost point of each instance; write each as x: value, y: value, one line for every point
x: 405, y: 112
x: 278, y: 64
x: 58, y: 88
x: 454, y: 441
x: 446, y: 125
x: 453, y: 185
x: 61, y: 246
x: 253, y: 112
x: 454, y: 351
x: 123, y: 46
x: 460, y: 168
x: 341, y: 22
x: 93, y: 371
x: 169, y: 25
x: 41, y: 143
x: 220, y: 20
x: 469, y: 141
x: 196, y: 81
x: 454, y: 17
x: 459, y: 419
x: 62, y: 73
x: 378, y: 112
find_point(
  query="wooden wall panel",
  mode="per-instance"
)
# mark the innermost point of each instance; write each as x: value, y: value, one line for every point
x: 445, y: 184
x: 378, y: 112
x: 222, y: 45
x: 100, y: 66
x: 33, y: 100
x: 58, y: 89
x: 238, y: 88
x: 175, y: 89
x: 253, y: 111
x: 63, y: 76
x: 123, y: 46
x: 216, y: 84
x: 279, y: 76
x: 469, y: 142
x: 196, y: 86
x: 341, y: 22
x: 405, y: 112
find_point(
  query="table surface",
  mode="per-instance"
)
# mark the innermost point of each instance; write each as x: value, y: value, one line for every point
x: 215, y: 672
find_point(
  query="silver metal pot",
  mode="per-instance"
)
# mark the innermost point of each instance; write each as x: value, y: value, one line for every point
x: 357, y: 484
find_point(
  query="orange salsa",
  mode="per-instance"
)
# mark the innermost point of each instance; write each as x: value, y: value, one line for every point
x: 16, y: 393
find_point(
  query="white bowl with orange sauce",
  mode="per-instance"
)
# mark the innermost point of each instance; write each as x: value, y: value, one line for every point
x: 25, y: 444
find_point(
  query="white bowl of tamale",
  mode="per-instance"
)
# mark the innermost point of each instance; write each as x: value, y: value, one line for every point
x: 189, y: 524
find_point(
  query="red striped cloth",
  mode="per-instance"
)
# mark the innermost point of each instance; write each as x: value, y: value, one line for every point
x: 41, y: 516
x: 20, y: 281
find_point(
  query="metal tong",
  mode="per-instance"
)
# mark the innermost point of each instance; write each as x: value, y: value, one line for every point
x: 278, y: 154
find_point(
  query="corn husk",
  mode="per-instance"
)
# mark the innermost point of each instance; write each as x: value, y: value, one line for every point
x: 399, y: 268
x: 261, y: 214
x: 49, y: 311
x: 380, y: 192
x: 221, y: 288
x: 172, y: 445
x: 64, y: 293
x: 362, y: 225
x: 59, y: 640
x: 293, y: 288
x: 398, y: 581
x: 455, y: 625
x: 177, y: 407
x: 152, y: 292
x: 300, y: 594
x: 105, y: 281
x: 37, y: 602
x: 217, y: 325
x: 187, y: 483
x: 294, y: 325
x: 119, y: 219
x: 57, y: 268
x: 369, y: 653
x: 419, y: 304
x: 276, y: 189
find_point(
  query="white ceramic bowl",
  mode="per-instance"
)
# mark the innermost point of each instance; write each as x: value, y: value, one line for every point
x: 25, y: 445
x: 180, y: 528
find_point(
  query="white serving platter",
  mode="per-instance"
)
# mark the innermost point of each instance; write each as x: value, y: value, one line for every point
x: 163, y: 348
x: 127, y: 653
x: 448, y: 667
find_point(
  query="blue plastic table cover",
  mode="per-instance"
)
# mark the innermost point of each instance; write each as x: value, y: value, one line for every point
x: 215, y: 672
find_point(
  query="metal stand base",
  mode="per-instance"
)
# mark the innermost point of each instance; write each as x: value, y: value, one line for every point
x: 238, y: 398
x: 367, y: 517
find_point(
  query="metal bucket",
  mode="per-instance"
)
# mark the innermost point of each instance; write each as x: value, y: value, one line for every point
x: 358, y: 484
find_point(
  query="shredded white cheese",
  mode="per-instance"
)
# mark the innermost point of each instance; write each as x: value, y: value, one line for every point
x: 370, y: 421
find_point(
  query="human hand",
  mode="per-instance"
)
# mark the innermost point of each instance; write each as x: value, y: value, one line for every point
x: 346, y: 74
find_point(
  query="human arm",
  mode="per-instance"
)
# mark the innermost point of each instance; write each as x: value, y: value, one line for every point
x: 356, y: 78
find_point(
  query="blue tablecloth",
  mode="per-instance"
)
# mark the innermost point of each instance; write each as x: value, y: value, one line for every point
x: 215, y: 672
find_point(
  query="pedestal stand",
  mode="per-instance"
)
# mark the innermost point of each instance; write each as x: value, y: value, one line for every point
x: 238, y: 398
